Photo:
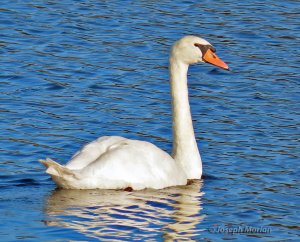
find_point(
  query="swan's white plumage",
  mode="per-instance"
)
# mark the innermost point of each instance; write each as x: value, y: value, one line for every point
x: 114, y: 162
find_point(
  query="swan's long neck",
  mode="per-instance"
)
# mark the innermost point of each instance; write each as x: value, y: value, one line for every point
x: 185, y: 149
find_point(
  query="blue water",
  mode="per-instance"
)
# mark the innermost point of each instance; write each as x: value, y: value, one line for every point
x: 71, y: 71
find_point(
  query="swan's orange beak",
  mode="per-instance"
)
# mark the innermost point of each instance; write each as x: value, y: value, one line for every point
x: 212, y: 58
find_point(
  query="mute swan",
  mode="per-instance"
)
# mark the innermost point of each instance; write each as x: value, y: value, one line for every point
x: 114, y: 162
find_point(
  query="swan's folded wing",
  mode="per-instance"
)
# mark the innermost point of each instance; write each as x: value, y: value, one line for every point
x: 92, y: 152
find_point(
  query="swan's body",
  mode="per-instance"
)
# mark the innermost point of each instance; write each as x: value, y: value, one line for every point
x: 114, y: 162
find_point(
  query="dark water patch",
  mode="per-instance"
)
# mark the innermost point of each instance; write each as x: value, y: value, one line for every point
x: 19, y: 182
x: 209, y: 177
x: 55, y: 87
x: 217, y: 71
x: 26, y: 182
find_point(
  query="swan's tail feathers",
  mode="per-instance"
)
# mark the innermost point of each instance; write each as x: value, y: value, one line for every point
x: 55, y: 169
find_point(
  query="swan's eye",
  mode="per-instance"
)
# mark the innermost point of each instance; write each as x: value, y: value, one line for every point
x: 201, y: 48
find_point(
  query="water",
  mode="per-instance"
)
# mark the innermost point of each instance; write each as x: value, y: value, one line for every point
x: 72, y: 71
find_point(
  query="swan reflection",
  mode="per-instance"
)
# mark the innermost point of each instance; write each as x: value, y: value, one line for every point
x: 171, y: 213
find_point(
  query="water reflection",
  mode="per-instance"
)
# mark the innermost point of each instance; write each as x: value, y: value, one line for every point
x: 171, y: 213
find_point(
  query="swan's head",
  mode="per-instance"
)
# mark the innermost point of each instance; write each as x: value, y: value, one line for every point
x: 192, y: 49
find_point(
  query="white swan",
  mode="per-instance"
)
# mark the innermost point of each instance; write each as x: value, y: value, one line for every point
x: 113, y: 162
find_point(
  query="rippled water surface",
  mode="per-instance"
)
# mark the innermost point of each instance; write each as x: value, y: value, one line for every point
x: 71, y: 71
